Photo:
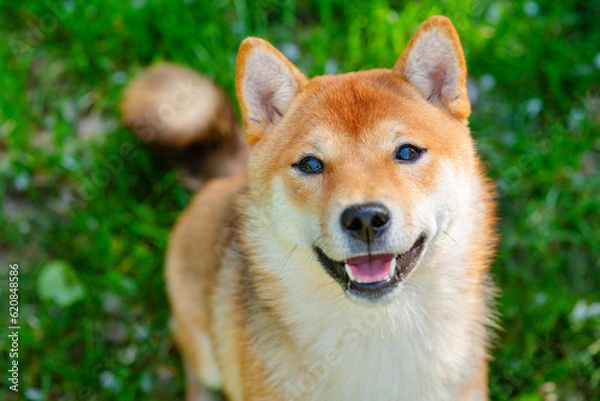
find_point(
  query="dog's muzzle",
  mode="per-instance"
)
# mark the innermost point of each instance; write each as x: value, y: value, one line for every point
x: 373, y: 277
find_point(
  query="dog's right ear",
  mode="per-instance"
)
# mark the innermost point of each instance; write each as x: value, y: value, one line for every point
x: 266, y: 83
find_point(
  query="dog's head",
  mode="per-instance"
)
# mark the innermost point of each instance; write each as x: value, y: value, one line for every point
x: 366, y: 169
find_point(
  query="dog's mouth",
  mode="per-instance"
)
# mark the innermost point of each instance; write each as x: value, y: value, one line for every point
x: 373, y: 277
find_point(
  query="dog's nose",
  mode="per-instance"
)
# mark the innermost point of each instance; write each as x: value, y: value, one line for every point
x: 366, y: 221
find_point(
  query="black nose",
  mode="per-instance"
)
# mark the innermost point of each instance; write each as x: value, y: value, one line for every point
x: 366, y: 221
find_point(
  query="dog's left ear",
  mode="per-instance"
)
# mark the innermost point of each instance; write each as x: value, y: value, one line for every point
x: 266, y: 83
x: 434, y: 63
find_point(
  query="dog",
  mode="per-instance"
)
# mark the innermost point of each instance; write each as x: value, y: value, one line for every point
x: 344, y: 252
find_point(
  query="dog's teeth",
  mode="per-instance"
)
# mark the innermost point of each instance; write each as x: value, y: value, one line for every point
x: 392, y: 267
x: 349, y: 272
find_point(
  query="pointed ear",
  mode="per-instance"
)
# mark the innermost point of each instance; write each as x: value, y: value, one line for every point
x: 434, y: 63
x: 266, y: 83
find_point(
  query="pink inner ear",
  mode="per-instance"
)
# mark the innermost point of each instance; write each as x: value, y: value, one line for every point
x: 434, y: 64
x: 437, y: 77
x: 266, y: 84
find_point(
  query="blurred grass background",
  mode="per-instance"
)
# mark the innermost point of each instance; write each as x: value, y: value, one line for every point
x: 86, y: 209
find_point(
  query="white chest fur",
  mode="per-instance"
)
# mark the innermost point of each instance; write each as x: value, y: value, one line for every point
x: 421, y: 347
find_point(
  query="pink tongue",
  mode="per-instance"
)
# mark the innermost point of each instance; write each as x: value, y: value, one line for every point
x: 370, y: 268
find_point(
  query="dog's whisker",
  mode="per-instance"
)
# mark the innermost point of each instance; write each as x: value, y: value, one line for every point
x: 449, y: 236
x: 287, y: 258
x: 318, y: 240
x: 338, y: 296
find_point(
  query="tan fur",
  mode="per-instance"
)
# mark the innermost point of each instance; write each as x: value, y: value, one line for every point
x: 242, y: 272
x: 188, y: 120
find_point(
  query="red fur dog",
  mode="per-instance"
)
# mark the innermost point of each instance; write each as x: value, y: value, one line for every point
x: 349, y: 260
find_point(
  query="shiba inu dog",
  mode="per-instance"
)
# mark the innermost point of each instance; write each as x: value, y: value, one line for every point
x: 349, y: 260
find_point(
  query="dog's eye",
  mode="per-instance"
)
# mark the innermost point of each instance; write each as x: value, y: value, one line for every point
x: 310, y: 165
x: 408, y: 153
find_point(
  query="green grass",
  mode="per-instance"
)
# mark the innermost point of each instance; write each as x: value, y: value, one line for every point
x: 85, y: 218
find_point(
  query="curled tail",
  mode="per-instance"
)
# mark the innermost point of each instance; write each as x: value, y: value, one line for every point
x: 188, y: 120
